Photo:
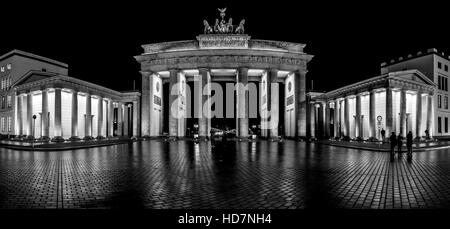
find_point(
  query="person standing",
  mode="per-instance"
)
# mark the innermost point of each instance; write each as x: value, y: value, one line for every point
x: 393, y: 141
x: 399, y: 143
x: 409, y: 142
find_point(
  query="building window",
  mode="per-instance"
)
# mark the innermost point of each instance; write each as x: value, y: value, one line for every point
x: 3, y: 102
x: 445, y: 81
x: 446, y: 124
x: 8, y: 101
x: 439, y: 125
x: 446, y: 68
x: 3, y: 69
x: 439, y: 101
x: 9, y: 124
x: 8, y: 66
x: 3, y: 124
x: 439, y: 65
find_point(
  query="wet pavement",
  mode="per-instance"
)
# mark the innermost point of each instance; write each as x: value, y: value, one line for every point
x: 184, y: 174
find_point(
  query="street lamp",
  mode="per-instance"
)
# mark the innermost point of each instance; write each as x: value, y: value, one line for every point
x: 32, y: 131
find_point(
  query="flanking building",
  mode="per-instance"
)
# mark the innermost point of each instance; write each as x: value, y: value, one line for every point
x: 411, y: 94
x: 39, y: 100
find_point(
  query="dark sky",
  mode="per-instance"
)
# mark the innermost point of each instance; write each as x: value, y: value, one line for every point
x: 98, y: 39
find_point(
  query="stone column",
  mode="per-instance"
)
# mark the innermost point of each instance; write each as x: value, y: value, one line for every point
x: 146, y: 101
x: 300, y: 97
x: 110, y: 118
x: 347, y: 117
x: 58, y: 111
x: 327, y: 118
x: 336, y: 118
x: 44, y: 117
x: 88, y: 118
x: 19, y: 115
x: 430, y: 115
x: 312, y: 120
x: 120, y: 119
x: 203, y: 119
x: 173, y: 118
x: 242, y: 97
x: 389, y: 113
x: 372, y: 118
x: 125, y: 120
x: 135, y: 119
x: 403, y: 112
x: 30, y: 114
x: 358, y: 131
x: 418, y: 114
x: 100, y: 118
x: 273, y: 102
x: 74, y: 115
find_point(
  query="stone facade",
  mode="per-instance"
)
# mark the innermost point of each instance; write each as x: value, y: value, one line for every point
x: 244, y: 60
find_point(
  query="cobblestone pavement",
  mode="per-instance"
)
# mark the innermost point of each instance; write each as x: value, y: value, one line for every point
x: 184, y: 174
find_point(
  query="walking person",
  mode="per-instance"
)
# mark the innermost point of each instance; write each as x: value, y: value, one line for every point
x: 399, y: 143
x: 383, y: 135
x: 393, y: 140
x: 409, y: 142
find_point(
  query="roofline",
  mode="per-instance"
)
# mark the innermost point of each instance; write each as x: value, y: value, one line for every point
x: 386, y: 75
x: 431, y: 51
x: 56, y: 76
x: 17, y: 52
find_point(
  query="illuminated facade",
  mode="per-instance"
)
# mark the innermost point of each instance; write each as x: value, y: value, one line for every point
x: 224, y: 55
x: 49, y: 105
x: 411, y: 94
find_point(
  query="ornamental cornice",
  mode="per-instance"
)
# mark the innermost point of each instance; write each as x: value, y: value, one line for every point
x: 216, y: 61
x: 69, y: 83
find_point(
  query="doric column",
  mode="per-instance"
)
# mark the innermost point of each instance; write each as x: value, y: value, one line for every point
x: 88, y: 117
x: 273, y: 103
x: 173, y: 118
x: 30, y: 114
x: 327, y: 118
x: 135, y: 119
x: 403, y: 112
x: 300, y: 97
x: 430, y: 114
x: 125, y: 119
x: 203, y: 119
x: 347, y: 117
x: 110, y: 118
x: 74, y: 131
x: 358, y: 131
x: 44, y: 117
x: 336, y: 118
x: 120, y: 119
x: 19, y: 115
x: 100, y: 117
x: 419, y: 114
x: 58, y: 111
x: 312, y: 108
x: 242, y: 97
x: 389, y: 112
x: 146, y: 99
x: 372, y: 118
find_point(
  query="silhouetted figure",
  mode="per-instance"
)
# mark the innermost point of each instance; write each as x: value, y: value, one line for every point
x: 393, y: 140
x: 409, y: 142
x: 427, y: 134
x: 383, y: 135
x: 399, y: 143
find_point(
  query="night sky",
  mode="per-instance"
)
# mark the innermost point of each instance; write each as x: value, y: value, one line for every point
x: 99, y: 39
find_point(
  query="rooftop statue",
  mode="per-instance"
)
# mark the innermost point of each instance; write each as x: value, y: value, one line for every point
x: 223, y: 27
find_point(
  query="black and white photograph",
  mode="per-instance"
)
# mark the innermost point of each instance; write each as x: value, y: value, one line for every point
x: 225, y: 113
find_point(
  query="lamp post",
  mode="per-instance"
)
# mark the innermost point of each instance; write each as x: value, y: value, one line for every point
x: 34, y: 123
